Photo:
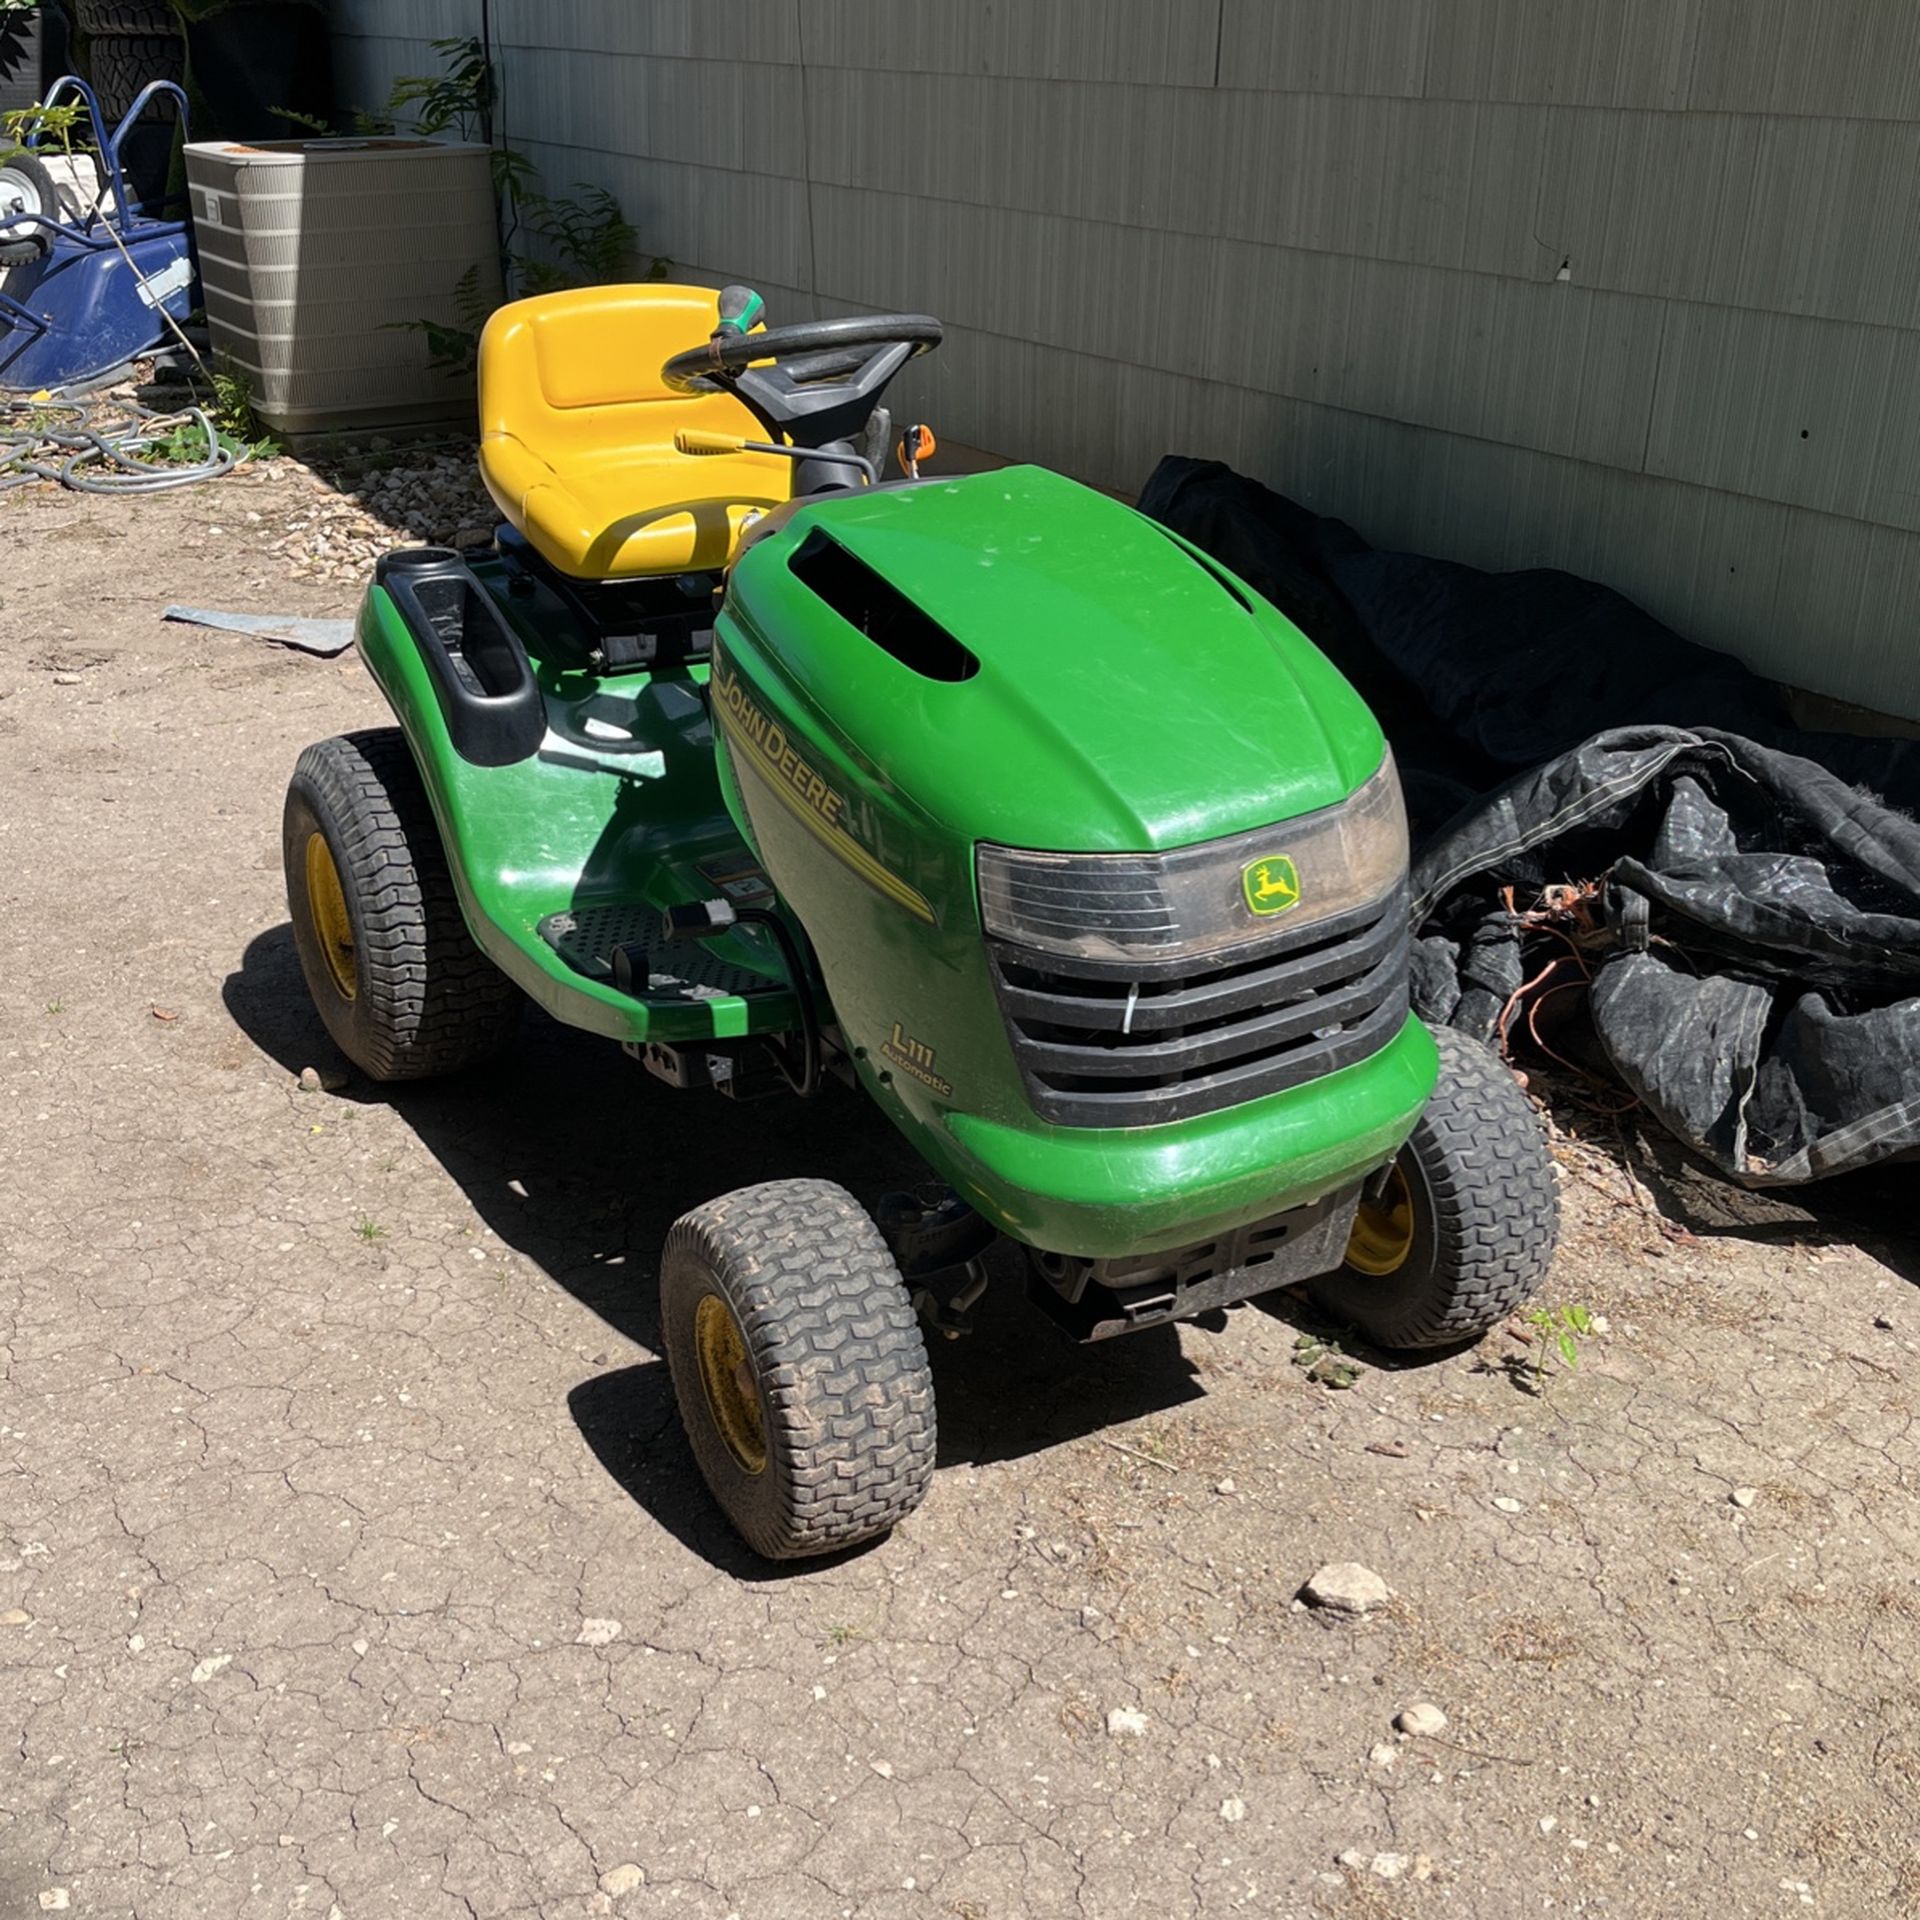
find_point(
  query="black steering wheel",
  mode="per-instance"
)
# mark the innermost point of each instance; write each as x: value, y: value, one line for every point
x: 823, y: 376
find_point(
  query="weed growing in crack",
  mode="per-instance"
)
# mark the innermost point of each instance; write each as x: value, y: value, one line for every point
x: 370, y: 1230
x: 1557, y: 1332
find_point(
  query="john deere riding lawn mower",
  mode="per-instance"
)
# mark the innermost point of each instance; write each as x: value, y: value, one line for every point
x: 985, y: 795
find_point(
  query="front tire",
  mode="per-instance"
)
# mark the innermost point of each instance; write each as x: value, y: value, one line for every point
x: 396, y: 976
x: 1465, y: 1228
x: 798, y: 1365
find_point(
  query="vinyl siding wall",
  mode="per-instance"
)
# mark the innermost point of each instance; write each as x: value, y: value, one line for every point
x: 1630, y: 287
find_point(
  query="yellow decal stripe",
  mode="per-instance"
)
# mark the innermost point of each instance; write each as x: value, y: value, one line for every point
x: 836, y: 839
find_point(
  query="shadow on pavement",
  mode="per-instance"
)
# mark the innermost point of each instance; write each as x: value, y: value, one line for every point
x: 577, y: 1159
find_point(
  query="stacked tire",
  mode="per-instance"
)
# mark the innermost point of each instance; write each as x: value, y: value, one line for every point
x: 128, y: 44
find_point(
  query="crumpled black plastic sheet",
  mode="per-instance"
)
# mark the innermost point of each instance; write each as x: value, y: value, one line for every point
x: 1756, y: 975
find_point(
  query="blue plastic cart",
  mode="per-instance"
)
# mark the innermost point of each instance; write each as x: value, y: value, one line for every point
x: 81, y: 294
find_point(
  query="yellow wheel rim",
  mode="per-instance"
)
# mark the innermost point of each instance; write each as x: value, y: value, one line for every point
x: 327, y: 903
x: 1382, y: 1234
x: 726, y: 1377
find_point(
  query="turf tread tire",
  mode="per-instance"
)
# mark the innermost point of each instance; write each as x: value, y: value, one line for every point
x: 834, y: 1342
x: 1487, y: 1198
x: 427, y: 1000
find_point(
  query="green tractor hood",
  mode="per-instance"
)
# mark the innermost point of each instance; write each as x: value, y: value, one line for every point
x: 904, y: 673
x: 1043, y: 667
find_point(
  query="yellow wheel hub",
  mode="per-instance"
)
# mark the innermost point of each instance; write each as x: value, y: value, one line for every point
x: 1382, y: 1234
x: 327, y: 903
x: 726, y: 1376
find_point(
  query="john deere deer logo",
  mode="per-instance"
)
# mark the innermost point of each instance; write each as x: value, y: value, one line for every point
x: 1272, y: 885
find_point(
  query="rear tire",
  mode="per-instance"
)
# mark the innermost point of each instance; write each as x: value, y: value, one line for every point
x: 799, y: 1368
x: 26, y: 187
x: 1467, y: 1227
x: 396, y: 976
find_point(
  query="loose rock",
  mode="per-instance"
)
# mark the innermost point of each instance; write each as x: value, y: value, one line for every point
x: 1387, y: 1866
x: 598, y: 1633
x: 1421, y: 1721
x: 1384, y: 1754
x: 1233, y: 1811
x: 1744, y: 1496
x: 622, y: 1879
x: 1127, y: 1723
x: 1346, y: 1587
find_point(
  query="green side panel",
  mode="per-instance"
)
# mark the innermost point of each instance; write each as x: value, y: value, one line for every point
x: 580, y: 825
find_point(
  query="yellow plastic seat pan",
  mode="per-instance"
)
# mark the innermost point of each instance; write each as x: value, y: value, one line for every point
x: 576, y: 435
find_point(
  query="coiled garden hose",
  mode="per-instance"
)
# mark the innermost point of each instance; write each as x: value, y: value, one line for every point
x: 105, y: 446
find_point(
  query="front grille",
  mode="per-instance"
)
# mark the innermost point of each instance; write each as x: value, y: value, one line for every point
x: 1136, y: 1044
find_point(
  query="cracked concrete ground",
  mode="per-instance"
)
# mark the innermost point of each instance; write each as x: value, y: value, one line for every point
x: 352, y: 1563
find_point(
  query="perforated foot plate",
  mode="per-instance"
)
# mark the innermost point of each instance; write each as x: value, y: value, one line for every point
x: 587, y: 938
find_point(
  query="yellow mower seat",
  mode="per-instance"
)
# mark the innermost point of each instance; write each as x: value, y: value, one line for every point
x: 576, y: 434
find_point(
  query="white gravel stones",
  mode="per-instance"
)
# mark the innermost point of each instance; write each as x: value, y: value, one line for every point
x: 1127, y: 1723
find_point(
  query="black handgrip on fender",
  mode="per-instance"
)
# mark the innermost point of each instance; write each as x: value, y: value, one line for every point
x: 481, y: 676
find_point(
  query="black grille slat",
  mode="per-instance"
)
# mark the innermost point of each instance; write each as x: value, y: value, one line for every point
x: 1113, y: 1054
x: 1103, y: 1004
x: 1102, y: 1044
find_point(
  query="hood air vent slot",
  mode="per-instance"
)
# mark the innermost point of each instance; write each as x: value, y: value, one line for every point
x: 877, y: 608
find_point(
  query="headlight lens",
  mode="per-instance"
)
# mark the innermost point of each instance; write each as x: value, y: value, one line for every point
x: 1200, y: 900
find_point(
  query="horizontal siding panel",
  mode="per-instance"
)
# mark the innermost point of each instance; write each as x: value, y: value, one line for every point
x: 750, y: 224
x: 1590, y: 53
x: 421, y: 20
x: 702, y: 112
x: 1167, y: 42
x: 763, y: 31
x: 1832, y: 229
x: 1853, y: 59
x: 1521, y: 282
x: 1811, y: 413
x: 1844, y: 619
x: 1327, y: 46
x: 1551, y: 366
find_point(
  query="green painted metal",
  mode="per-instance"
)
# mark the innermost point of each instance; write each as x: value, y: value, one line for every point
x: 579, y: 826
x: 1126, y: 698
x: 1100, y: 1191
x: 1117, y: 692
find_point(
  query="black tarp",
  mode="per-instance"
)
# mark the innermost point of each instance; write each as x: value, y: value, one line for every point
x: 1741, y: 899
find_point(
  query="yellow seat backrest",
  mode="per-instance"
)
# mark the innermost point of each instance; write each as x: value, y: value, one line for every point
x: 577, y: 374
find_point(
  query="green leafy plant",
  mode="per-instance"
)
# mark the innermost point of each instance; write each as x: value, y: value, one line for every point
x: 454, y: 346
x: 589, y: 240
x: 1324, y: 1363
x: 64, y: 127
x: 460, y: 99
x: 232, y: 409
x: 1558, y: 1331
x: 582, y: 241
